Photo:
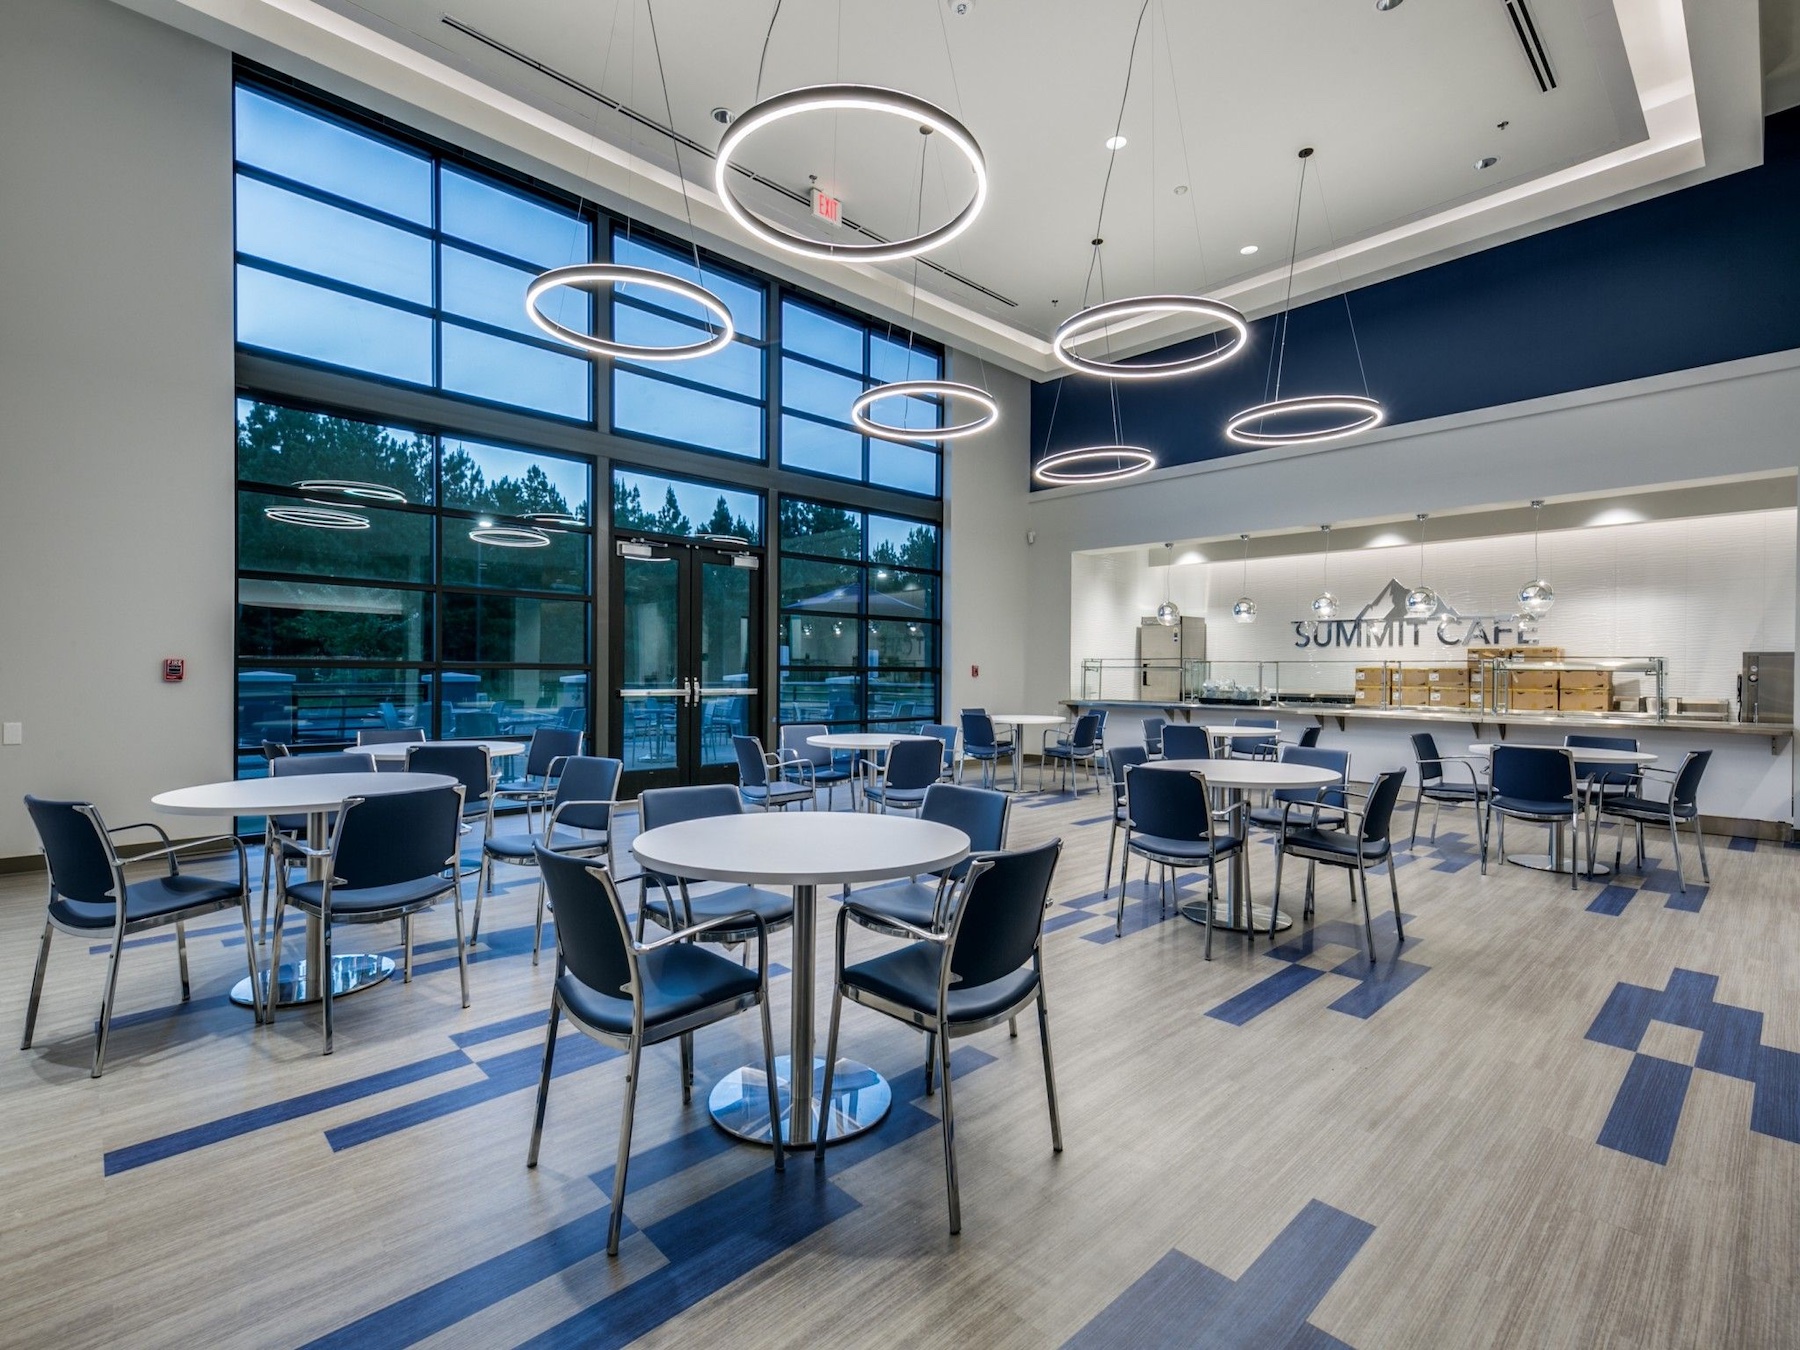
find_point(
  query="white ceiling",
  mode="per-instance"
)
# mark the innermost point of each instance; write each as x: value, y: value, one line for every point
x: 1399, y: 105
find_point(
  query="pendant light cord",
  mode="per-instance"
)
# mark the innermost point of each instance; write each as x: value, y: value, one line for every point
x: 687, y: 205
x: 1287, y: 304
x: 762, y: 60
x: 1338, y: 272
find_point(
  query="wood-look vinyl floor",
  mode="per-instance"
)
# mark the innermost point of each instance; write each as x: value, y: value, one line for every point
x: 380, y: 1196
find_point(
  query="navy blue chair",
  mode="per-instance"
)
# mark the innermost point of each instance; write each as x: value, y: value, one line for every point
x: 586, y: 795
x: 391, y: 736
x: 1535, y: 783
x: 1169, y: 822
x: 549, y: 747
x: 1599, y: 780
x: 814, y: 764
x: 282, y: 833
x: 1081, y: 747
x: 470, y: 766
x: 1298, y: 807
x: 1183, y: 740
x: 1682, y: 803
x: 633, y: 994
x: 911, y: 768
x: 1119, y: 762
x: 985, y: 968
x: 1441, y: 783
x: 985, y: 748
x: 979, y: 813
x: 91, y: 899
x: 1153, y: 734
x: 1309, y: 737
x: 675, y: 904
x: 1365, y: 843
x: 760, y: 780
x: 1257, y: 747
x: 392, y: 856
x: 945, y: 733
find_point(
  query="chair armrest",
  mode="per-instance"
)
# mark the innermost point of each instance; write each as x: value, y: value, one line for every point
x: 141, y: 825
x: 737, y: 920
x: 556, y: 767
x: 889, y: 921
x: 186, y: 846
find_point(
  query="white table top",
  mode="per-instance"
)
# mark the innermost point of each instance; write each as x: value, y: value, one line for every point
x: 1027, y: 719
x: 1584, y: 754
x: 294, y: 794
x: 863, y: 740
x: 1243, y: 733
x: 1248, y: 773
x: 395, y: 753
x: 804, y: 848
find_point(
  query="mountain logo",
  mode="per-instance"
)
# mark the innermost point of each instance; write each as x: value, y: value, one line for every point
x: 1384, y: 622
x: 1390, y: 607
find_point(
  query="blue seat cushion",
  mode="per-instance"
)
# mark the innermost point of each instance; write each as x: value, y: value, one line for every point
x: 1633, y: 805
x: 1525, y: 806
x: 909, y: 977
x: 875, y: 792
x: 1199, y: 850
x: 678, y: 981
x: 519, y: 848
x: 777, y: 792
x: 1301, y: 815
x: 913, y: 902
x: 151, y: 899
x: 821, y: 774
x: 1070, y: 752
x: 348, y: 900
x: 987, y: 751
x: 524, y: 785
x: 773, y: 907
x: 1336, y: 844
x: 1453, y: 792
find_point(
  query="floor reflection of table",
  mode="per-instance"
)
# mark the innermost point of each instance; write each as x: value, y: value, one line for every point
x: 1232, y: 778
x: 805, y: 851
x: 1557, y: 859
x: 316, y: 796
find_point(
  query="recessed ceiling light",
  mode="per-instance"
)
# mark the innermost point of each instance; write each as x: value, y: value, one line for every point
x: 1181, y: 189
x: 1247, y: 249
x: 1115, y: 142
x: 1385, y: 5
x: 722, y: 116
x: 1487, y: 161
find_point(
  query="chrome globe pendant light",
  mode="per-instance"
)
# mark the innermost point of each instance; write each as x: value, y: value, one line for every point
x: 1536, y: 597
x: 1421, y: 601
x: 1099, y: 319
x: 1325, y: 608
x: 1167, y: 614
x: 1244, y: 611
x: 719, y: 327
x: 1296, y: 421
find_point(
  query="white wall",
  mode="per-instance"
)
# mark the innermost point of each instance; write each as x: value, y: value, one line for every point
x: 116, y: 506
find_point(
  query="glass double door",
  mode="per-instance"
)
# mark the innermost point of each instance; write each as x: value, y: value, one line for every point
x: 687, y: 649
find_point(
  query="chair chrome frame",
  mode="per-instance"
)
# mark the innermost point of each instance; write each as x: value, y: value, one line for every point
x: 581, y: 847
x: 1576, y: 820
x: 872, y: 775
x: 1118, y: 807
x: 404, y: 913
x: 1424, y: 794
x: 538, y: 795
x: 279, y: 845
x: 941, y: 1028
x: 1358, y: 869
x: 123, y: 928
x: 1673, y: 821
x: 775, y: 780
x: 1172, y: 862
x: 871, y: 917
x: 682, y: 1028
x: 1070, y: 756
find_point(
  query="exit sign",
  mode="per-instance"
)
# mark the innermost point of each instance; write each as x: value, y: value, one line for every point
x: 826, y: 207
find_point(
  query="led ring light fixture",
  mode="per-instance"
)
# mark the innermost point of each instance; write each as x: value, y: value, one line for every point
x: 601, y: 274
x: 1362, y: 414
x: 1065, y: 466
x: 944, y: 389
x: 509, y: 536
x: 347, y: 487
x: 1078, y: 326
x: 848, y: 98
x: 317, y: 517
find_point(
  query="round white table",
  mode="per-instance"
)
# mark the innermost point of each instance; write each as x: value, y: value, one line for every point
x: 1237, y: 733
x: 1231, y: 778
x: 804, y: 851
x: 396, y: 752
x: 1557, y: 859
x: 1018, y: 722
x: 316, y: 795
x: 864, y: 743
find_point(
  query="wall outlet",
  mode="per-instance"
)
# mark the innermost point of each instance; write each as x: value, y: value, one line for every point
x: 12, y: 733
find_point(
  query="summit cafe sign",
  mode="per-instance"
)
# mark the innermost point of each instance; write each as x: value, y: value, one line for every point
x: 1383, y: 622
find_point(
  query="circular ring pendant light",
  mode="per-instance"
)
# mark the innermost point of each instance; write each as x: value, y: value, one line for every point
x: 317, y: 517
x: 848, y: 98
x: 1078, y: 326
x: 1068, y: 467
x: 348, y: 487
x: 944, y: 389
x: 509, y: 536
x: 617, y: 274
x: 1250, y: 427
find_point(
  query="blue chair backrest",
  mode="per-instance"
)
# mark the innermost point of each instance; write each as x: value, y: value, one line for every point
x: 1686, y: 791
x: 587, y: 778
x: 1262, y: 744
x: 1101, y: 714
x: 979, y: 813
x: 470, y: 725
x: 1310, y: 736
x: 1000, y: 914
x: 549, y: 744
x: 1153, y: 733
x: 913, y: 764
x: 1383, y: 793
x: 76, y: 849
x: 396, y: 836
x: 752, y: 772
x: 1337, y: 761
x: 1170, y: 803
x: 298, y: 766
x: 591, y: 929
x: 1087, y: 731
x: 1182, y: 741
x: 1426, y: 752
x: 671, y: 806
x: 977, y: 730
x: 1532, y: 772
x: 1119, y: 759
x: 1607, y: 773
x: 390, y: 736
x: 467, y: 764
x: 794, y: 738
x: 946, y: 734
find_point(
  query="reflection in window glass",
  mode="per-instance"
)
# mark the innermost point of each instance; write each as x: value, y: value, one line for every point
x: 832, y: 697
x: 742, y: 298
x: 483, y: 477
x: 320, y: 707
x: 561, y: 565
x: 808, y: 388
x: 286, y: 446
x: 905, y: 468
x: 396, y: 546
x: 904, y: 543
x: 895, y: 643
x: 907, y: 595
x: 816, y: 448
x: 809, y: 587
x: 322, y: 153
x: 300, y: 232
x: 516, y: 373
x: 824, y: 337
x: 514, y: 630
x: 645, y: 406
x: 308, y: 621
x: 736, y: 370
x: 818, y: 640
x: 490, y: 292
x: 476, y: 702
x: 506, y: 222
x: 334, y: 329
x: 820, y: 529
x: 646, y: 503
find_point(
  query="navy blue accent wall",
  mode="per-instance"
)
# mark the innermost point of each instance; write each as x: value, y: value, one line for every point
x: 1692, y: 278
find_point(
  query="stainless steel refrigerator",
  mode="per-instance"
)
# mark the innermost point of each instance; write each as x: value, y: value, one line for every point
x: 1161, y: 651
x: 1766, y: 687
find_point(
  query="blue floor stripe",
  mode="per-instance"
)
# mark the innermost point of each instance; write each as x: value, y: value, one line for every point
x: 1264, y: 994
x: 493, y: 1031
x: 1648, y: 1108
x: 1612, y: 900
x: 1063, y: 920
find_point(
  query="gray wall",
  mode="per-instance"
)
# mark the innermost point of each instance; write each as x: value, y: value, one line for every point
x: 116, y: 545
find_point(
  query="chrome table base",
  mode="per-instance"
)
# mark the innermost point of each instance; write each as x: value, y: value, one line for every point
x: 296, y: 985
x: 1225, y: 919
x: 860, y: 1099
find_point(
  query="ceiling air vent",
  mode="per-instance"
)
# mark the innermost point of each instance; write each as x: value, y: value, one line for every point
x: 1535, y: 55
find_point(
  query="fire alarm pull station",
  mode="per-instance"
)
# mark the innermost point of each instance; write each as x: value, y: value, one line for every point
x: 174, y: 669
x: 974, y: 672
